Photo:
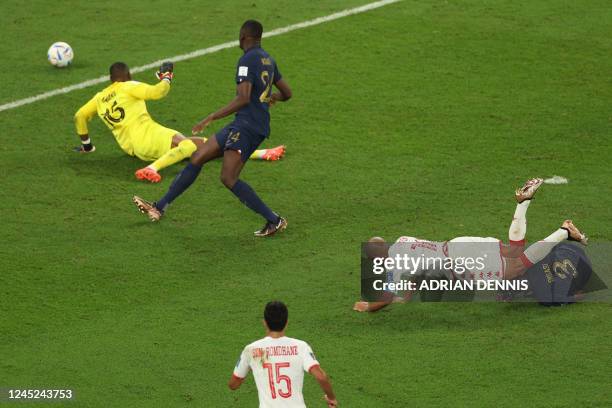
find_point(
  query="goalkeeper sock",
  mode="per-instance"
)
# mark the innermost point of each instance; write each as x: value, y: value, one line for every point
x: 258, y: 154
x: 518, y: 228
x: 249, y: 197
x: 538, y: 251
x: 181, y: 183
x: 182, y: 151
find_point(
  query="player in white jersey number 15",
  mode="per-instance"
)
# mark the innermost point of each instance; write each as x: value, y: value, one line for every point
x: 498, y: 261
x: 278, y: 364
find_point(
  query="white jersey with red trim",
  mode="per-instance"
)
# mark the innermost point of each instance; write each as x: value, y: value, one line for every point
x: 278, y: 366
x: 459, y: 258
x: 417, y: 257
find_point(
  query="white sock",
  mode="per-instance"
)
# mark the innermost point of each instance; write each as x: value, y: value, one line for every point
x: 518, y: 228
x: 538, y: 251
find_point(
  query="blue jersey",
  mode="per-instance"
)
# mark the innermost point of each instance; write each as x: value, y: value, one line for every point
x: 259, y: 68
x: 556, y: 279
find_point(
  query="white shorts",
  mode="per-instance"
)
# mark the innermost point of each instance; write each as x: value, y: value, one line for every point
x: 477, y: 258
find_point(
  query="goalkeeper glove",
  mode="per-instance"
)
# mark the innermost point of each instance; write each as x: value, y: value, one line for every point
x: 165, y: 71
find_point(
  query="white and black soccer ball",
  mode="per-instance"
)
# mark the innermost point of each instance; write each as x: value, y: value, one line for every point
x: 60, y: 54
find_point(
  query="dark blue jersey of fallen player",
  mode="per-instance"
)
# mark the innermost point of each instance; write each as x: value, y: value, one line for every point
x: 259, y: 68
x: 560, y: 276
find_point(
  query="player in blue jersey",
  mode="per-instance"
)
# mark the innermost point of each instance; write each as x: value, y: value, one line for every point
x: 256, y: 72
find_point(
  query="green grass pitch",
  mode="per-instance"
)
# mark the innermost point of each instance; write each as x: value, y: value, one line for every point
x: 418, y: 118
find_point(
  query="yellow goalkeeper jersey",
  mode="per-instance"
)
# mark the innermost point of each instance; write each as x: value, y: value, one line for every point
x: 122, y: 107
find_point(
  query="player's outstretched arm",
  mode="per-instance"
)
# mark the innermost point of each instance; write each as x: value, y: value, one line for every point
x: 148, y: 92
x: 321, y: 377
x: 369, y: 306
x: 153, y: 92
x: 243, y: 97
x: 84, y: 115
x: 363, y: 306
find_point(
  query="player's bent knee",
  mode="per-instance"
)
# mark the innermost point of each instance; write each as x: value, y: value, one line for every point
x: 197, y: 158
x: 228, y: 180
x: 203, y: 154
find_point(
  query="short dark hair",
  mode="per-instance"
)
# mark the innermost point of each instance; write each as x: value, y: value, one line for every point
x: 252, y: 28
x: 276, y: 315
x: 118, y: 69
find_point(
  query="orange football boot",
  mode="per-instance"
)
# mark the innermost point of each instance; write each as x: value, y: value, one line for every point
x: 274, y: 154
x: 148, y: 174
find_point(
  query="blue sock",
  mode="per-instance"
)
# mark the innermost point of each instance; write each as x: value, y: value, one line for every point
x: 181, y: 183
x: 249, y: 197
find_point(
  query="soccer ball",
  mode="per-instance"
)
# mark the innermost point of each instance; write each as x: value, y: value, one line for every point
x: 60, y: 54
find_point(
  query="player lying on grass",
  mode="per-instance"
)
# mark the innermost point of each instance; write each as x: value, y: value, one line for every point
x: 278, y: 364
x: 498, y: 260
x: 122, y: 107
x: 256, y: 73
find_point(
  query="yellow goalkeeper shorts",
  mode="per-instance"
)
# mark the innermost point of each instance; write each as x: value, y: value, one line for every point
x: 152, y: 140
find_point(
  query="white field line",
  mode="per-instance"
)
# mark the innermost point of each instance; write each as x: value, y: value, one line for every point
x: 198, y: 53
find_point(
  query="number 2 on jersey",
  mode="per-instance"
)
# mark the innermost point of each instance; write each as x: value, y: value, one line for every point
x: 283, y: 393
x: 266, y: 95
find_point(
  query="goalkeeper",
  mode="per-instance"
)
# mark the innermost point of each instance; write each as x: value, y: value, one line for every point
x: 122, y: 107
